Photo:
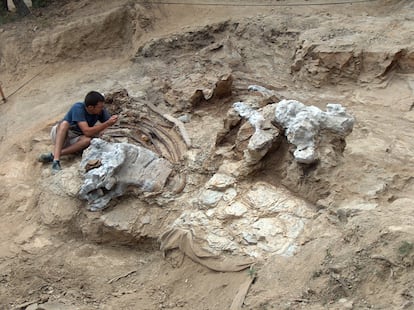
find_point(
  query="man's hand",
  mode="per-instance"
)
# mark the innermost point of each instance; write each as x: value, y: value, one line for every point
x: 112, y: 120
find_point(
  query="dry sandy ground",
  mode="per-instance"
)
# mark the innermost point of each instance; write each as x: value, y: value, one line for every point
x: 358, y: 257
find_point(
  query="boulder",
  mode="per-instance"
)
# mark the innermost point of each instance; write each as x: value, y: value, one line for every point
x: 304, y: 124
x: 122, y: 165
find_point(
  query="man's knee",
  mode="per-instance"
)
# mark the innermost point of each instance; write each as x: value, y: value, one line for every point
x: 85, y: 141
x: 63, y: 126
x: 59, y: 130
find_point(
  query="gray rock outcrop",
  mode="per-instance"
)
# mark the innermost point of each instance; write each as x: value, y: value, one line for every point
x: 121, y: 165
x: 303, y: 124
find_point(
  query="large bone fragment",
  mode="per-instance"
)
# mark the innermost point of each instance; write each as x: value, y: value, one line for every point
x: 303, y: 124
x: 123, y: 165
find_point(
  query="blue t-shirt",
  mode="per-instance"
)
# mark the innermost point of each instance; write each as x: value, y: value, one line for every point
x: 78, y: 113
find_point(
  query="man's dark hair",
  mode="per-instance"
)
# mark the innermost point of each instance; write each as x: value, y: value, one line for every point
x: 93, y: 97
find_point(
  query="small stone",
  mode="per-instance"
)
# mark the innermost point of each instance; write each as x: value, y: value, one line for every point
x: 210, y: 198
x: 250, y: 238
x: 220, y: 181
x: 185, y: 118
x: 236, y: 209
x: 346, y: 304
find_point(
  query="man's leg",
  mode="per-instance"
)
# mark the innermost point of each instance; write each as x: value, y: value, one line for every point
x: 61, y: 135
x: 59, y: 150
x: 79, y: 145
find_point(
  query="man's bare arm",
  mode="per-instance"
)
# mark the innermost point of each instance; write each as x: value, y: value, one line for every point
x: 97, y: 129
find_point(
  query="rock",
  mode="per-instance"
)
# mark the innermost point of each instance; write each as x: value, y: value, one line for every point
x: 65, y: 183
x: 303, y: 124
x: 261, y: 138
x: 246, y: 111
x: 259, y: 145
x: 54, y: 306
x: 244, y: 134
x: 121, y: 218
x: 33, y: 307
x: 209, y: 198
x: 185, y: 118
x: 221, y: 242
x: 57, y: 211
x: 123, y: 165
x: 267, y: 228
x: 270, y: 200
x: 358, y: 205
x: 263, y: 90
x: 233, y: 168
x: 250, y: 238
x: 346, y: 304
x: 262, y: 221
x: 220, y: 182
x: 230, y: 194
x: 235, y: 210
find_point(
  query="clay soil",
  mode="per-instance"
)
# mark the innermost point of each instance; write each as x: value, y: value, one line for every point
x: 358, y: 251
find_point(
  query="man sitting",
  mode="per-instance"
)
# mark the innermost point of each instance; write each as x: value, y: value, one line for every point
x: 78, y: 127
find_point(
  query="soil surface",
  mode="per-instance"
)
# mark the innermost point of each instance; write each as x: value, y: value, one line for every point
x: 356, y: 250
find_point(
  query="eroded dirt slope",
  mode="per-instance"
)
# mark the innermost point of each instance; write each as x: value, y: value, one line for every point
x: 356, y: 252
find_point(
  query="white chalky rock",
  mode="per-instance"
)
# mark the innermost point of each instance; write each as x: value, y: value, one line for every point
x: 236, y: 209
x: 122, y: 165
x: 246, y: 111
x: 263, y: 90
x: 220, y: 182
x: 262, y: 139
x: 260, y: 221
x: 277, y: 200
x: 209, y: 198
x: 303, y: 124
x: 229, y: 194
x: 249, y: 238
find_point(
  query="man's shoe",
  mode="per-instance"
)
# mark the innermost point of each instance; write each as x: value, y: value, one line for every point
x: 56, y: 166
x: 45, y: 158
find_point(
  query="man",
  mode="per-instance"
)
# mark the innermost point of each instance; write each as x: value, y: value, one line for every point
x: 78, y: 127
